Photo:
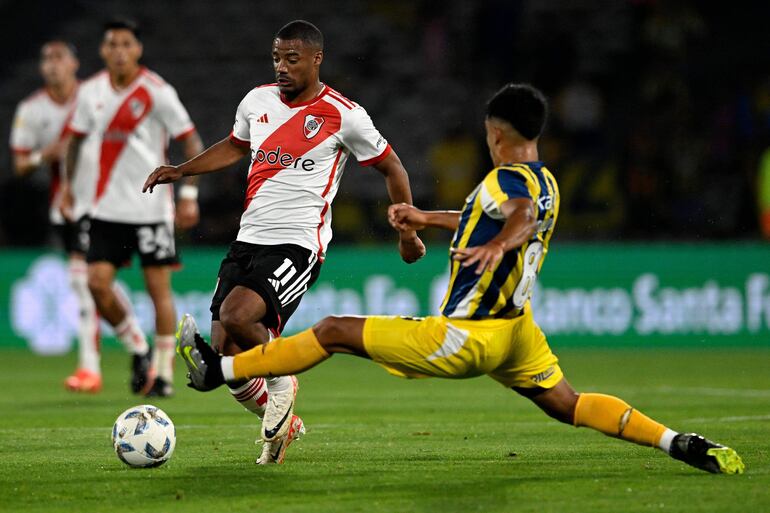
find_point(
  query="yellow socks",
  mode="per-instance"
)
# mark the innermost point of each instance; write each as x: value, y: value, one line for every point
x: 281, y: 357
x: 614, y: 417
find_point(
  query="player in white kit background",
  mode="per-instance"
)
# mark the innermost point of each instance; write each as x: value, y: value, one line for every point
x: 132, y: 112
x: 299, y: 133
x: 38, y: 140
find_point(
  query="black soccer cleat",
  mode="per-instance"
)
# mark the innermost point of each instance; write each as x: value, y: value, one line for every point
x: 141, y: 373
x: 704, y: 454
x: 160, y: 388
x: 203, y: 363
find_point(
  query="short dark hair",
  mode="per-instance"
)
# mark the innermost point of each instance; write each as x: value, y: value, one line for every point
x: 521, y: 105
x: 123, y: 24
x: 61, y: 41
x: 303, y: 31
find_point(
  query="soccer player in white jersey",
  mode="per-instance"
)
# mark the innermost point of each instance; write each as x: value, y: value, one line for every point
x: 38, y: 140
x: 132, y: 112
x: 299, y: 133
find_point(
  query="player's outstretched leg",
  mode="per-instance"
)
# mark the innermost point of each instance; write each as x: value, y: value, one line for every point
x: 284, y: 356
x: 614, y: 417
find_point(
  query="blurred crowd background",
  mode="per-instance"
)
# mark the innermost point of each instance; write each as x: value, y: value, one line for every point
x: 660, y: 122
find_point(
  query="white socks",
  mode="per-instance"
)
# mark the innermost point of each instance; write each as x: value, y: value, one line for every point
x: 88, y: 320
x: 252, y: 395
x: 163, y: 356
x: 226, y: 363
x: 131, y: 335
x: 666, y: 439
x: 279, y: 384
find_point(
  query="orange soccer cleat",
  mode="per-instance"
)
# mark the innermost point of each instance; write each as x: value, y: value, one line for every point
x: 84, y: 381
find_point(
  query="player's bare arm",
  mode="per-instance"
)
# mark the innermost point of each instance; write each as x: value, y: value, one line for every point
x: 403, y: 217
x: 67, y: 204
x: 187, y: 211
x: 520, y: 225
x: 26, y: 163
x: 215, y: 158
x: 397, y: 182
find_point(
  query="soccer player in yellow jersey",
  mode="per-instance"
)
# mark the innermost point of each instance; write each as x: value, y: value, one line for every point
x: 486, y: 326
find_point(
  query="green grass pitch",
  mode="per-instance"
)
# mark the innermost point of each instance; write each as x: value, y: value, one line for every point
x: 380, y: 444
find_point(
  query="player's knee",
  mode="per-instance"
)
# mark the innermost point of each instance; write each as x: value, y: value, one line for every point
x: 568, y: 408
x: 328, y: 330
x: 235, y: 320
x: 560, y: 412
x: 558, y: 403
x: 98, y: 286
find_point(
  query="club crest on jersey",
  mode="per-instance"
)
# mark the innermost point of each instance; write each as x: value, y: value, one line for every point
x: 312, y: 125
x: 137, y: 107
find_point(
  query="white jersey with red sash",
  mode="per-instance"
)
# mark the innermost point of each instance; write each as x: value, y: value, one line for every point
x: 39, y: 121
x: 298, y: 153
x: 132, y: 126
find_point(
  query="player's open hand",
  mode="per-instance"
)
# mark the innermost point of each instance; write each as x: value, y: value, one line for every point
x: 162, y: 174
x: 187, y: 213
x: 405, y: 217
x: 411, y: 247
x: 487, y: 256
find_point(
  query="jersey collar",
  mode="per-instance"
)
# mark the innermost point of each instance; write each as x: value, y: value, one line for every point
x: 320, y: 95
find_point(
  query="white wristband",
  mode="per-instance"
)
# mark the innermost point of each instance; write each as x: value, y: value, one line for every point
x: 188, y: 192
x: 36, y: 158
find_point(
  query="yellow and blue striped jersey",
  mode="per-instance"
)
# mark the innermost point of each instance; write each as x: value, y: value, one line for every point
x: 502, y: 292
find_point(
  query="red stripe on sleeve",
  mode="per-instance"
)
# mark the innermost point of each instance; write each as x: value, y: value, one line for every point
x: 240, y: 142
x: 378, y: 159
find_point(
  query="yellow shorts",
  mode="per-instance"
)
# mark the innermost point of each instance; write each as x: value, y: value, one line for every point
x: 511, y: 351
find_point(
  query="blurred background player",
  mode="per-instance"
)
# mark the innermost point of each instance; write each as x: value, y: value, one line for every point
x: 486, y: 324
x: 132, y: 111
x: 300, y: 133
x: 38, y: 139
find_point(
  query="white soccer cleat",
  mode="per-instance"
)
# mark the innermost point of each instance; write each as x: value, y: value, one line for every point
x: 274, y: 452
x: 278, y: 412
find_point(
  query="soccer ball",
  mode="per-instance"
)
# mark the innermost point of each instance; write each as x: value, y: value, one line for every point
x: 144, y: 436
